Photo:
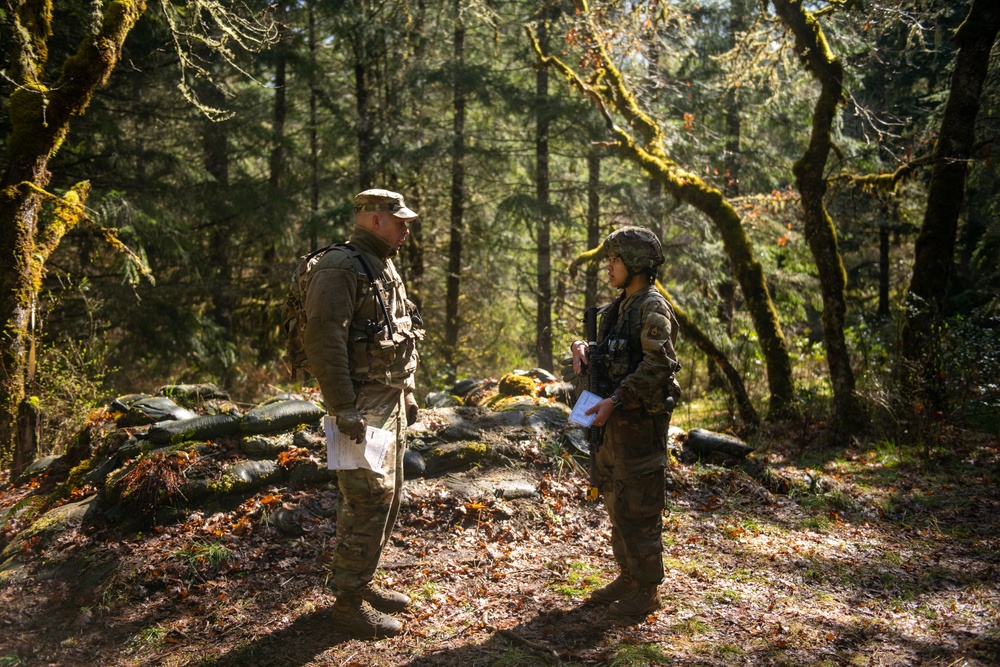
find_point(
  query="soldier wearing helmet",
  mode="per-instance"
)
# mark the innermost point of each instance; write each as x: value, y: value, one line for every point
x: 635, y: 341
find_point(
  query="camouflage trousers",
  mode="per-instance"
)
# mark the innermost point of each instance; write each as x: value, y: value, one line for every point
x: 630, y: 468
x: 369, y: 503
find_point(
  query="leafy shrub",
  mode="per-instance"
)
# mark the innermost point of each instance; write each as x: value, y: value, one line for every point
x: 69, y: 385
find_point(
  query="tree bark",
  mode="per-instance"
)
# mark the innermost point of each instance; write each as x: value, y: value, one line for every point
x: 366, y: 135
x: 215, y: 144
x: 414, y: 249
x: 543, y: 327
x: 457, y: 201
x: 883, y: 271
x: 935, y: 245
x: 593, y: 225
x: 813, y: 49
x: 689, y: 188
x: 40, y: 118
x: 734, y: 117
x: 313, y: 129
x: 276, y: 163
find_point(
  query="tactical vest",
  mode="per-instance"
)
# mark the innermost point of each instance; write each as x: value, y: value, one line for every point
x: 383, y: 335
x: 620, y: 342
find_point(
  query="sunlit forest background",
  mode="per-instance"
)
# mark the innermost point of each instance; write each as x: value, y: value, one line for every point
x: 230, y: 139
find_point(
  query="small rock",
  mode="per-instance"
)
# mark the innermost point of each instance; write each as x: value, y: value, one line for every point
x: 40, y: 466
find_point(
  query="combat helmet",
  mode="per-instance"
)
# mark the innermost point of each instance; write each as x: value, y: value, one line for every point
x: 638, y: 247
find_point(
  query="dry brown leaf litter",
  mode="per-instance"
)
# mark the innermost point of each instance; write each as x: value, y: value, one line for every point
x: 898, y: 568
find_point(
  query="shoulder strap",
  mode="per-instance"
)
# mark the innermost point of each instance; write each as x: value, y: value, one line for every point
x: 608, y: 316
x: 357, y: 258
x: 356, y: 254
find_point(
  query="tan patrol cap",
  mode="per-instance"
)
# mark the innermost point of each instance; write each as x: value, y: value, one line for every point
x: 383, y: 200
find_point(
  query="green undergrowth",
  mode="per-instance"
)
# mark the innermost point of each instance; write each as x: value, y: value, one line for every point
x: 580, y: 580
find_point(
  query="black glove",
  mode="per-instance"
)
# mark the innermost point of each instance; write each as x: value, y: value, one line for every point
x: 351, y: 423
x: 411, y: 407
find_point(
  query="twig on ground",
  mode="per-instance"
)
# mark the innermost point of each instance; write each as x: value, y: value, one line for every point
x: 548, y: 650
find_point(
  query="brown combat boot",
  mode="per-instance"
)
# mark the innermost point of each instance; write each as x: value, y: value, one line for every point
x: 645, y: 599
x: 355, y: 617
x: 383, y: 599
x: 616, y: 590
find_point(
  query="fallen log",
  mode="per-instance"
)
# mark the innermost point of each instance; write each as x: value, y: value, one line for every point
x: 704, y: 443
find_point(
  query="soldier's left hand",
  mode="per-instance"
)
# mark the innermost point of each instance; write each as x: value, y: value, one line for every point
x: 603, y: 409
x: 352, y: 423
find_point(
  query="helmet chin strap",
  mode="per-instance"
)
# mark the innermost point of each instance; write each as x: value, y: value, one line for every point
x: 632, y: 273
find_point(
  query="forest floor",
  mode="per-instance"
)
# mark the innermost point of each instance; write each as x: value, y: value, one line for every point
x: 897, y: 566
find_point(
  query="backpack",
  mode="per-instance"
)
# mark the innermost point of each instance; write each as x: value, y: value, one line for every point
x: 293, y: 312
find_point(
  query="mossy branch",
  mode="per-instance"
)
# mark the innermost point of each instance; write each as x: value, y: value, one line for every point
x: 658, y: 165
x: 889, y: 181
x: 620, y: 95
x: 30, y: 53
x: 587, y: 257
x: 590, y: 90
x: 70, y: 211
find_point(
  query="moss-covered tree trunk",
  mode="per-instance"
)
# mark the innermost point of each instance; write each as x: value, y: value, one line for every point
x: 543, y: 117
x: 611, y: 92
x: 746, y: 269
x: 364, y: 95
x: 935, y: 246
x: 819, y: 60
x: 593, y: 224
x: 40, y: 116
x: 314, y: 91
x: 457, y: 229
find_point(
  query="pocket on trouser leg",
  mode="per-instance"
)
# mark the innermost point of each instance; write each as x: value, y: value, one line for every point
x: 640, y: 497
x: 364, y: 487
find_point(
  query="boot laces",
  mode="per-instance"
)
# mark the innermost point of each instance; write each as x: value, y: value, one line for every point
x: 369, y: 613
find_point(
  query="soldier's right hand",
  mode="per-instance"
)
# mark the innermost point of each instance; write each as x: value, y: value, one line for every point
x: 351, y: 423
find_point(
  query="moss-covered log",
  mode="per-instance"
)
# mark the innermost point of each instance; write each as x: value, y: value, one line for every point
x: 810, y: 178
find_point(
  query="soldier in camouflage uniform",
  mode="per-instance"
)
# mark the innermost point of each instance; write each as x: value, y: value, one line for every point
x: 362, y: 350
x: 636, y: 335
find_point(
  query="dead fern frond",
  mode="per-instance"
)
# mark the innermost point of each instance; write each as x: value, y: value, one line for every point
x: 152, y: 482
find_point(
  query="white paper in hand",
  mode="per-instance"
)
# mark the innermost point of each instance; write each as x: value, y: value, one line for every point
x: 586, y: 401
x: 343, y: 453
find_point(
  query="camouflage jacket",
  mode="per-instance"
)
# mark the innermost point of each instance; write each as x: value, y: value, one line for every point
x: 347, y: 337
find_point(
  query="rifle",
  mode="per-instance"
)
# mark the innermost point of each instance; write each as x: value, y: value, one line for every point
x: 597, y: 383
